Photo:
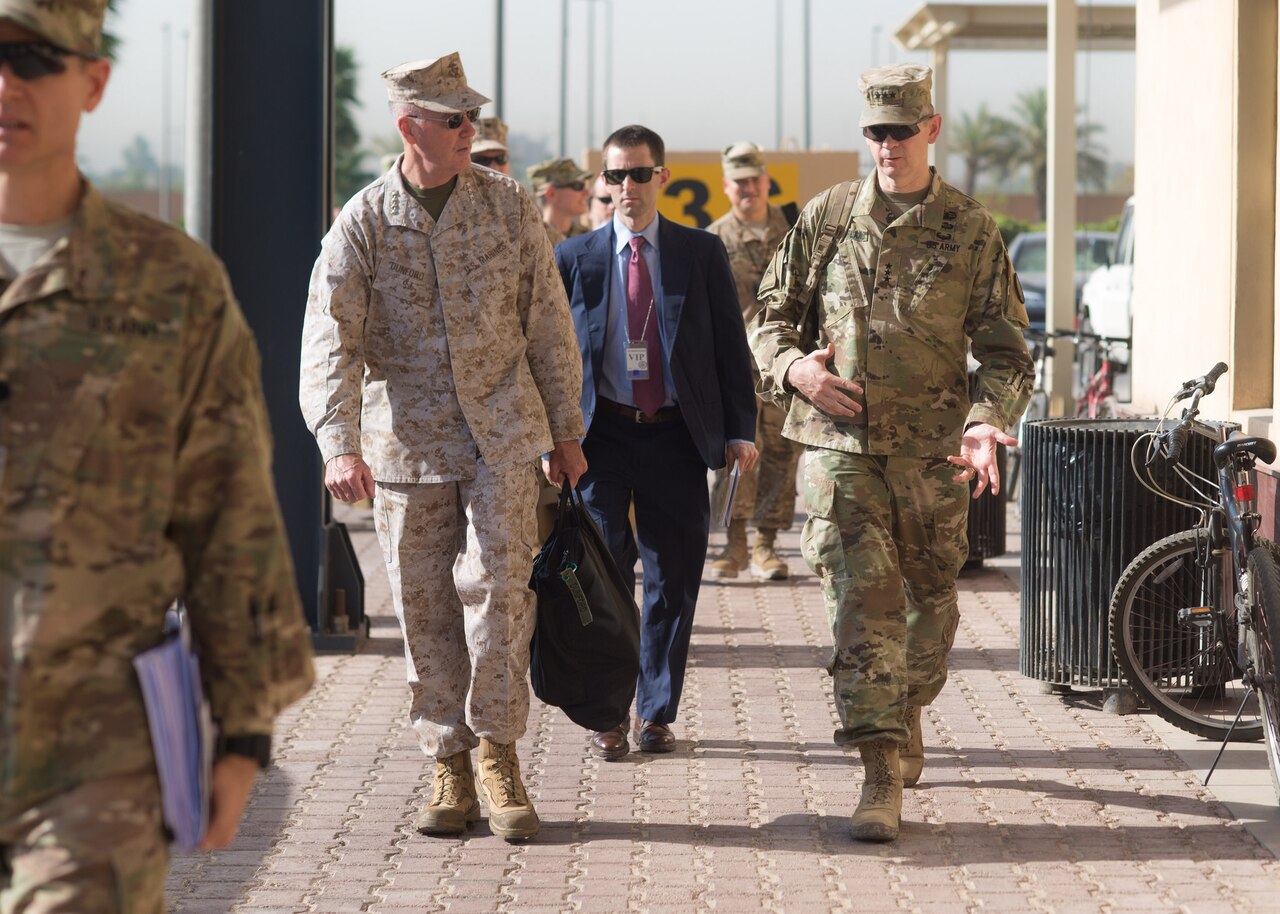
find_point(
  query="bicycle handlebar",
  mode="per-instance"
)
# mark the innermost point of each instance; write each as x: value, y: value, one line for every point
x: 1203, y: 384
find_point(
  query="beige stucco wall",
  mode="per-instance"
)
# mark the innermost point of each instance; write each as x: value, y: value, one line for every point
x: 1183, y: 190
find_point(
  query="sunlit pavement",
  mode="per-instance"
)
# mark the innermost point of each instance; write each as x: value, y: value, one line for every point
x: 1029, y: 802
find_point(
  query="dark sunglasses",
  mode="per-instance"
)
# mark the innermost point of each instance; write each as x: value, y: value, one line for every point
x: 489, y: 161
x: 641, y: 175
x: 607, y: 201
x: 33, y: 59
x: 571, y: 185
x: 453, y: 121
x: 900, y: 132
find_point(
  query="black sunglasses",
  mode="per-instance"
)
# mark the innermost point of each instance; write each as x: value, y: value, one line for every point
x: 33, y: 59
x: 607, y: 201
x: 489, y: 161
x: 453, y: 121
x: 570, y: 185
x: 900, y: 132
x: 642, y: 174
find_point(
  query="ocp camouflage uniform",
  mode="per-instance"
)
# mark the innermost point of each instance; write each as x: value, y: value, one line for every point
x: 901, y: 301
x: 767, y: 493
x: 443, y: 353
x: 134, y: 470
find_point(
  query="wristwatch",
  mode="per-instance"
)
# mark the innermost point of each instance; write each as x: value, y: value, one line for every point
x: 256, y: 746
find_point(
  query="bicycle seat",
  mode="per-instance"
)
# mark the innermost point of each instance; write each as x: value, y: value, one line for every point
x: 1259, y: 448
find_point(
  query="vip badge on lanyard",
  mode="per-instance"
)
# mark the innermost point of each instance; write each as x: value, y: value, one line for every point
x: 638, y: 351
x: 638, y: 361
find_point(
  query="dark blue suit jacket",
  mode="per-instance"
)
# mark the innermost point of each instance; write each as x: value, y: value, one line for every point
x: 706, y: 339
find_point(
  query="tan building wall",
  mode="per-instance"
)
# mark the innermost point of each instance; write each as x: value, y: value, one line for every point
x: 1205, y: 185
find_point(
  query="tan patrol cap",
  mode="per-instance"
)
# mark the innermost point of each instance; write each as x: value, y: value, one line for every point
x: 73, y: 25
x: 899, y: 94
x: 742, y: 160
x: 491, y: 135
x: 437, y: 85
x: 556, y: 172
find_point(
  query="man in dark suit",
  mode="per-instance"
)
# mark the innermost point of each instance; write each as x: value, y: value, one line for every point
x: 668, y: 391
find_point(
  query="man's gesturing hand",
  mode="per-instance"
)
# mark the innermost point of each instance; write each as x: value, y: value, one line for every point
x: 829, y: 392
x: 978, y: 457
x: 348, y: 478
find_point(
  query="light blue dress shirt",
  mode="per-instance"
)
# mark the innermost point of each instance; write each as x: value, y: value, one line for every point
x: 614, y: 383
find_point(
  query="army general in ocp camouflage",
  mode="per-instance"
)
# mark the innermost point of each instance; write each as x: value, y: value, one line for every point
x: 134, y: 471
x: 920, y: 275
x: 751, y: 231
x: 438, y: 363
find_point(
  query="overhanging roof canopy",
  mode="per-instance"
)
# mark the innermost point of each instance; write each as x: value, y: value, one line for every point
x: 1012, y: 27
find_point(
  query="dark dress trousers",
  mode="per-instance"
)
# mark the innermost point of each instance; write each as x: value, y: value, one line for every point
x: 662, y: 467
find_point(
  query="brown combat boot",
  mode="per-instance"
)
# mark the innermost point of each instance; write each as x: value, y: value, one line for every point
x: 911, y: 756
x: 511, y: 815
x: 734, y: 557
x: 879, y: 812
x: 765, y: 564
x: 453, y: 797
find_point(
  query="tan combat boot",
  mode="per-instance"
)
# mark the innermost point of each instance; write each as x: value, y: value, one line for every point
x: 911, y: 755
x: 511, y: 815
x: 765, y: 564
x: 453, y: 798
x: 734, y: 557
x: 879, y: 812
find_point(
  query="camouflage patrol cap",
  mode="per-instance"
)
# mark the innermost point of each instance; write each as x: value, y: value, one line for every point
x: 437, y: 85
x: 896, y: 95
x: 491, y: 135
x: 556, y: 172
x: 74, y: 25
x: 742, y: 160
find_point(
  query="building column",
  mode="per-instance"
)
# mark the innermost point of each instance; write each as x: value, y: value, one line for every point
x: 1061, y: 196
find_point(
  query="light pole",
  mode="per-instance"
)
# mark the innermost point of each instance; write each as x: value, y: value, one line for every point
x: 165, y: 67
x: 564, y: 74
x: 777, y: 68
x: 808, y: 80
x: 499, y: 21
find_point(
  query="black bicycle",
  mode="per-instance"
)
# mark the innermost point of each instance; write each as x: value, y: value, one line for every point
x: 1192, y: 617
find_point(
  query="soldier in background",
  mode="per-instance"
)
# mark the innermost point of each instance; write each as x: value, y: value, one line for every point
x: 438, y: 363
x: 134, y: 471
x: 600, y: 206
x: 489, y: 146
x: 920, y: 276
x: 560, y: 187
x: 751, y: 231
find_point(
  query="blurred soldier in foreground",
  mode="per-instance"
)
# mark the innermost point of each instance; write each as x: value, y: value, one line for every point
x: 438, y: 363
x: 560, y: 187
x: 134, y: 471
x: 882, y: 401
x: 489, y: 146
x: 751, y: 231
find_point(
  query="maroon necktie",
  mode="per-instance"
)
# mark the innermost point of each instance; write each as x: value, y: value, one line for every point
x: 642, y: 324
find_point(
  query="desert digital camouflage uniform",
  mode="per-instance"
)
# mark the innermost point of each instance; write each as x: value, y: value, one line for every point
x: 767, y: 494
x: 443, y: 353
x: 902, y: 300
x: 134, y: 470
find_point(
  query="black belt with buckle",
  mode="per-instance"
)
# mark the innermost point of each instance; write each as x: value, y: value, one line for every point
x: 666, y: 414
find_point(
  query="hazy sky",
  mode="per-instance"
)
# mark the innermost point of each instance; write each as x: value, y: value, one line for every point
x: 700, y: 72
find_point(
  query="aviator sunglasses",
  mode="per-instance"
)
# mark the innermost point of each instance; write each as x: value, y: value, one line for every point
x: 453, y: 121
x: 642, y: 174
x: 900, y: 132
x: 488, y: 161
x: 33, y: 59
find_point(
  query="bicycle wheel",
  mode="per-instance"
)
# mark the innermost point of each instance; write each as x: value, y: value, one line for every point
x: 1175, y: 637
x: 1264, y: 600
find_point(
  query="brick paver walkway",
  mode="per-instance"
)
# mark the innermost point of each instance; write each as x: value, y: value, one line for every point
x: 1029, y: 802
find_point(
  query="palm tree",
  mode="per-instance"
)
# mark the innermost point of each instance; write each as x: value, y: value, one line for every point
x: 348, y: 159
x: 1029, y: 146
x: 982, y: 141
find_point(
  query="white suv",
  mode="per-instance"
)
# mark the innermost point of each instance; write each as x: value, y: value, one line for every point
x: 1106, y: 301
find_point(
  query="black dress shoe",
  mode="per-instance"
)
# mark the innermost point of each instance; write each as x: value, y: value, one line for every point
x: 653, y: 737
x: 610, y: 745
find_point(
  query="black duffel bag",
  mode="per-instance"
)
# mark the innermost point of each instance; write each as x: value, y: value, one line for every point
x: 585, y: 654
